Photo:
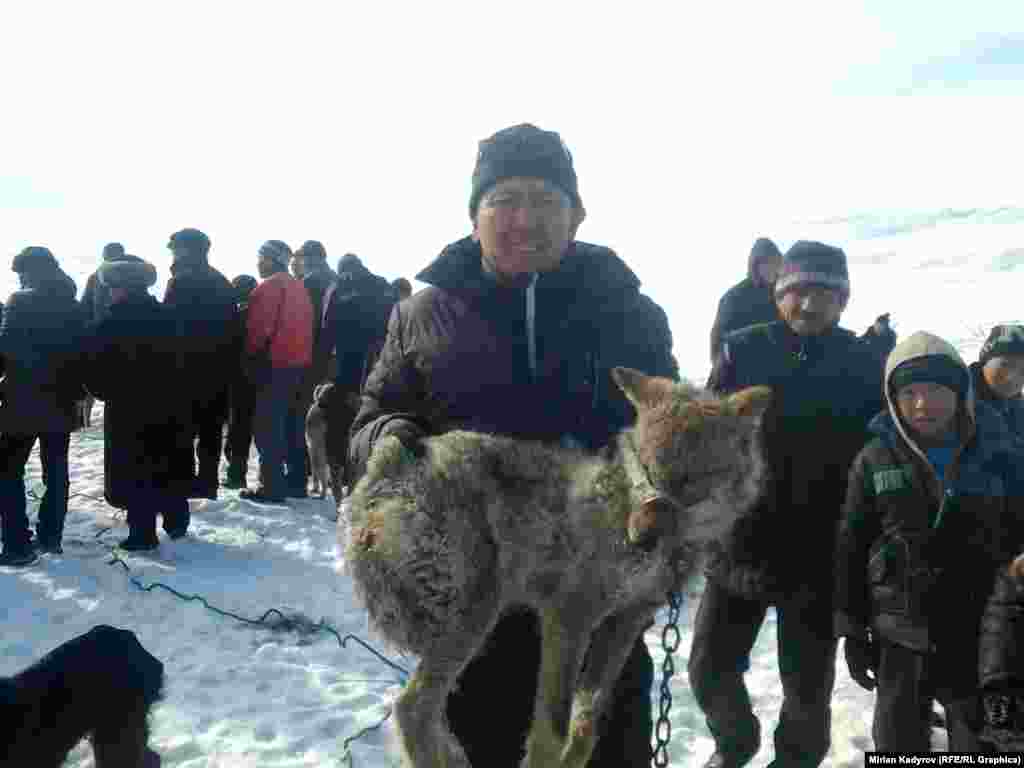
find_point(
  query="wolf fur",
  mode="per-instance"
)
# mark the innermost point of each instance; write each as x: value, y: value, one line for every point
x: 441, y: 545
x: 316, y: 442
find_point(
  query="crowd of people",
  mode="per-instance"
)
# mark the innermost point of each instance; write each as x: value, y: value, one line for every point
x: 891, y: 520
x: 172, y: 374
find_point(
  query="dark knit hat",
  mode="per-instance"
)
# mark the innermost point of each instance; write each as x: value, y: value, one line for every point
x: 191, y: 240
x: 131, y: 273
x: 113, y: 251
x: 523, y: 150
x: 35, y: 258
x: 313, y: 252
x: 935, y: 369
x: 1003, y: 340
x: 277, y: 251
x: 813, y: 263
x: 244, y: 285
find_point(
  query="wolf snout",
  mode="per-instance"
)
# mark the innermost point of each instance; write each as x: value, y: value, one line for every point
x: 651, y: 521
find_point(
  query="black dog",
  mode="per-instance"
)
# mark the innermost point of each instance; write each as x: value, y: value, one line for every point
x: 101, y: 684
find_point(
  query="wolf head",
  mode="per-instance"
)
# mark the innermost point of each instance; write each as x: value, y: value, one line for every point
x: 699, y: 454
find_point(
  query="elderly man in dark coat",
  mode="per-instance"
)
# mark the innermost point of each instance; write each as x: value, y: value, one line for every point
x: 134, y: 363
x: 39, y: 339
x: 516, y: 335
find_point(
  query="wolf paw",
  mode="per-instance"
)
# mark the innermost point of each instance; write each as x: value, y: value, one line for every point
x: 582, y: 738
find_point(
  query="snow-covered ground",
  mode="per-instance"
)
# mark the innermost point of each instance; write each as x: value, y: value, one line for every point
x: 241, y: 695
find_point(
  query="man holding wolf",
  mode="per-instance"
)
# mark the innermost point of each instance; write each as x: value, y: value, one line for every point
x: 515, y: 336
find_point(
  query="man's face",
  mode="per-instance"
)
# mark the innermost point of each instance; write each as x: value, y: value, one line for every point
x: 523, y: 225
x: 768, y: 269
x: 927, y: 408
x: 298, y: 267
x: 1005, y: 375
x: 811, y: 309
x: 265, y: 266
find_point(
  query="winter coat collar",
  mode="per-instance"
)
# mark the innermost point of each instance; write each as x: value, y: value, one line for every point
x: 596, y: 271
x: 990, y: 437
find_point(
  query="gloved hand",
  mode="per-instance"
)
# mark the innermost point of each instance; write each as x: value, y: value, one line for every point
x: 861, y: 659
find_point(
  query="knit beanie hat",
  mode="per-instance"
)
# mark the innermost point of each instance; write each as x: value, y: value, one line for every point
x: 244, y: 285
x: 934, y: 369
x: 35, y: 258
x: 1003, y: 340
x: 313, y: 252
x: 523, y: 150
x: 277, y: 251
x: 192, y: 240
x: 813, y: 263
x: 131, y: 273
x: 113, y: 251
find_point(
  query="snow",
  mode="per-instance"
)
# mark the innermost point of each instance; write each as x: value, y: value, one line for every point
x: 242, y: 695
x: 239, y: 695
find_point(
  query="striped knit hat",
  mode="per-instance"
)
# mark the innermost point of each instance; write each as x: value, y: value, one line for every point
x: 1003, y: 340
x: 277, y: 251
x: 812, y: 263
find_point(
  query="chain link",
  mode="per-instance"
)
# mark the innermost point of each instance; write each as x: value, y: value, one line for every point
x: 669, y: 643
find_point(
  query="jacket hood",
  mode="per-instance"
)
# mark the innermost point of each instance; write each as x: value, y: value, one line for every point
x: 763, y: 249
x: 924, y: 344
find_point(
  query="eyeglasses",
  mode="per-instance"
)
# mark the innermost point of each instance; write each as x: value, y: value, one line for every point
x: 543, y: 202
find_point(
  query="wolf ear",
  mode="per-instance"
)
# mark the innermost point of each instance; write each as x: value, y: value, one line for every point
x: 643, y: 391
x: 751, y: 403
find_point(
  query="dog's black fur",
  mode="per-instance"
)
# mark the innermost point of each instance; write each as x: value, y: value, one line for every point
x: 101, y: 684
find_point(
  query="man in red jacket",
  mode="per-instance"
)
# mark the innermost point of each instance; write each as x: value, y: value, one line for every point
x: 279, y: 345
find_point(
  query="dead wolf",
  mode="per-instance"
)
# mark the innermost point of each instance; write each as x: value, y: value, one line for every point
x: 441, y: 543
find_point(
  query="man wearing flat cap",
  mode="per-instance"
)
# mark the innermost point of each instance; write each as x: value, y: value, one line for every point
x: 40, y: 340
x: 516, y: 335
x: 135, y: 364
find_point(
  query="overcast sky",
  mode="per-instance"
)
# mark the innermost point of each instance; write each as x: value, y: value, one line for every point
x: 693, y: 130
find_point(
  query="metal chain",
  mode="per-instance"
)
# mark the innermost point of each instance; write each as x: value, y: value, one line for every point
x: 669, y: 643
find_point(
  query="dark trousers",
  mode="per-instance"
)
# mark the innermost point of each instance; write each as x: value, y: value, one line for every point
x: 145, y: 505
x: 239, y: 440
x: 907, y: 683
x: 507, y: 672
x: 279, y: 430
x: 724, y: 633
x: 208, y: 416
x: 14, y: 453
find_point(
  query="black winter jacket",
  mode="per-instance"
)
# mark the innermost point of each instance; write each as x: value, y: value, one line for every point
x: 825, y: 391
x: 135, y: 364
x: 360, y: 303
x: 40, y: 343
x: 749, y: 302
x: 457, y: 354
x: 205, y: 310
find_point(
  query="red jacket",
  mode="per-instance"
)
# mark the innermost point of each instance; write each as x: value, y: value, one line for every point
x: 280, y: 310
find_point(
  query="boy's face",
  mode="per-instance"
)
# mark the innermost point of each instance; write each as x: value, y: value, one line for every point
x: 1005, y: 375
x: 927, y: 408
